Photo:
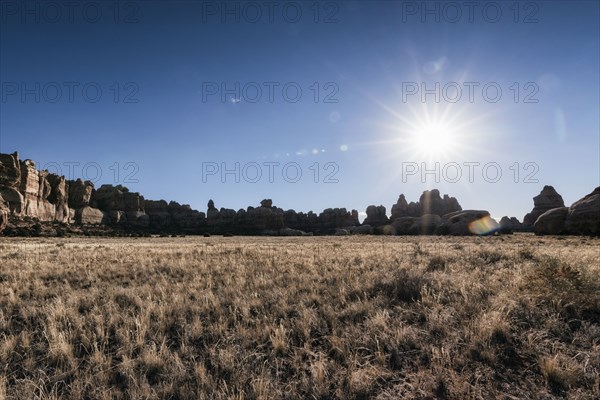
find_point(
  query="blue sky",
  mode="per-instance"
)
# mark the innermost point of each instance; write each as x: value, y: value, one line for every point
x: 164, y: 123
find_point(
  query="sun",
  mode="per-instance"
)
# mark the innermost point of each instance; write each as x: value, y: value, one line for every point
x: 432, y: 140
x: 424, y: 132
x: 431, y: 133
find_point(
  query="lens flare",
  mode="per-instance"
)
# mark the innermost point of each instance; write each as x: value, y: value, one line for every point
x: 483, y: 226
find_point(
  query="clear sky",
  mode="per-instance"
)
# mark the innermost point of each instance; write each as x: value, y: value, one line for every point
x: 360, y: 97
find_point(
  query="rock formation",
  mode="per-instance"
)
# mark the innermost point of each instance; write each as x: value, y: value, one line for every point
x: 32, y: 193
x: 27, y: 194
x: 290, y: 232
x: 80, y: 193
x: 266, y: 203
x: 90, y: 216
x: 4, y: 212
x: 183, y: 218
x: 427, y: 224
x: 430, y: 202
x: 420, y: 218
x: 362, y: 230
x: 59, y: 197
x: 14, y: 200
x: 172, y: 217
x: 401, y: 209
x: 584, y: 215
x: 159, y: 213
x: 212, y: 214
x: 10, y: 170
x: 546, y: 200
x: 376, y: 216
x: 35, y: 189
x: 265, y: 217
x: 403, y: 225
x: 465, y: 223
x: 582, y: 218
x: 327, y: 222
x: 510, y: 225
x: 111, y: 198
x: 552, y: 222
x: 121, y: 206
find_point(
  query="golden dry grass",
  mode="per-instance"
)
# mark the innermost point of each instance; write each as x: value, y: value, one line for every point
x: 508, y: 317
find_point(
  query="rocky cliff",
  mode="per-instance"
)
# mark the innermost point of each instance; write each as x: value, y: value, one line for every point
x: 27, y: 194
x: 25, y: 191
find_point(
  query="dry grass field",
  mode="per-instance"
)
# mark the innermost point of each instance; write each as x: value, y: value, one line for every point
x: 509, y: 317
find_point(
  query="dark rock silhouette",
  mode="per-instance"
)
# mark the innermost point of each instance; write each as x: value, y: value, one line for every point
x: 376, y: 216
x: 26, y: 193
x: 110, y: 198
x: 546, y: 200
x: 582, y: 218
x: 362, y: 230
x: 430, y: 202
x: 327, y: 222
x: 552, y: 222
x: 401, y: 209
x: 403, y: 225
x: 267, y: 203
x: 290, y: 232
x: 584, y: 215
x: 510, y: 225
x: 184, y: 218
x: 427, y: 224
x: 460, y: 222
x: 158, y: 212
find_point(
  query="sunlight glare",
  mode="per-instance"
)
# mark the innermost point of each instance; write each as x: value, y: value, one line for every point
x: 432, y: 139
